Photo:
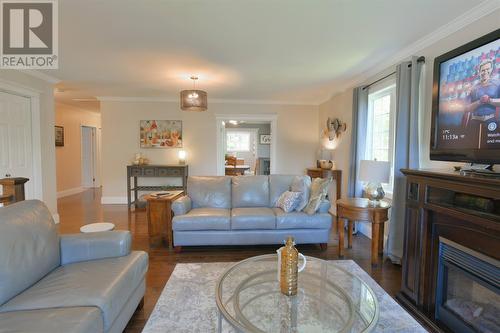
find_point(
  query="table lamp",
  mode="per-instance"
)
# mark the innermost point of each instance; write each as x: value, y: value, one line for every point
x: 374, y: 173
x: 182, y: 156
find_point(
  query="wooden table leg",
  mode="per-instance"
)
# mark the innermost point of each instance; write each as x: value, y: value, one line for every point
x: 170, y: 235
x: 340, y: 228
x: 375, y: 242
x: 381, y: 240
x: 349, y: 234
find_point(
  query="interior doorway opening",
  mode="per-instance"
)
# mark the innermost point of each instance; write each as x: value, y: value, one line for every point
x: 90, y: 157
x: 245, y: 144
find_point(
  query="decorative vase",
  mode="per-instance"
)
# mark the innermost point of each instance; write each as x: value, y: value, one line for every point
x: 288, y: 267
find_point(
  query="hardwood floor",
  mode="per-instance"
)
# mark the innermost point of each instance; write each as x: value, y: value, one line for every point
x: 84, y: 208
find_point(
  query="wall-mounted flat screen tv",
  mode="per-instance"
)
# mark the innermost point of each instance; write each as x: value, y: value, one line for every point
x: 466, y: 103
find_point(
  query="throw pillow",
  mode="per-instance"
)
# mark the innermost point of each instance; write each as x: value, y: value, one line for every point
x: 288, y: 201
x: 319, y: 189
x: 301, y: 184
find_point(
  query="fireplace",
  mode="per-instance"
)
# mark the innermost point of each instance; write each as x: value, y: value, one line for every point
x: 467, y: 289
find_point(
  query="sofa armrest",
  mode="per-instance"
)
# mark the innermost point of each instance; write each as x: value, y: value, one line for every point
x: 324, y: 206
x: 182, y: 205
x: 96, y: 245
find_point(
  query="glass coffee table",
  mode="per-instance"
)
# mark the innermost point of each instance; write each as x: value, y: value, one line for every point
x: 329, y: 299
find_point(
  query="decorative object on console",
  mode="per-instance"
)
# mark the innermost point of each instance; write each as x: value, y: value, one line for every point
x: 140, y: 159
x: 265, y: 139
x: 374, y: 173
x: 161, y: 133
x: 193, y: 99
x: 59, y: 136
x: 182, y: 157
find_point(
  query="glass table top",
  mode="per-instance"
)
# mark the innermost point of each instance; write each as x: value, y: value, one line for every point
x: 329, y: 298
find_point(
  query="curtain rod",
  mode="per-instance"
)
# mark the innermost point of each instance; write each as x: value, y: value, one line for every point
x: 420, y: 59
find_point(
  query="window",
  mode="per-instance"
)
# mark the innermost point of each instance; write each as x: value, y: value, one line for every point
x: 238, y: 141
x: 381, y: 125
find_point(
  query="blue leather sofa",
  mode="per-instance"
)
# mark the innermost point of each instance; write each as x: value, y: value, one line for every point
x: 241, y: 211
x: 82, y: 283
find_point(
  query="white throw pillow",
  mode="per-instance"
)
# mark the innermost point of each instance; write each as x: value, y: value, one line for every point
x: 288, y: 201
x: 319, y: 189
x: 301, y: 184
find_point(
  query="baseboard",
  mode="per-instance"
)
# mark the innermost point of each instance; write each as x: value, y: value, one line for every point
x: 114, y: 200
x: 56, y: 218
x: 69, y: 192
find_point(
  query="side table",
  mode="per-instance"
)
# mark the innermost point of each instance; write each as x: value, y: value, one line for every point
x: 159, y: 214
x: 359, y: 209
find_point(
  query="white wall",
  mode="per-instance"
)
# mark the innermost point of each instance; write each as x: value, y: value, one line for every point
x: 297, y: 138
x: 48, y: 167
x: 69, y: 157
x: 340, y: 105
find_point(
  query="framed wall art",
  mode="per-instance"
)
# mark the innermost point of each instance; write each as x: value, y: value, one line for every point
x: 265, y: 139
x: 161, y: 133
x: 59, y: 136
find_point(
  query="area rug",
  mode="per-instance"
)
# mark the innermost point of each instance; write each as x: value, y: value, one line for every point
x: 187, y: 303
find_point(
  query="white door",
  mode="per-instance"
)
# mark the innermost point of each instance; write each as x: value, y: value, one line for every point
x: 16, y: 151
x: 88, y: 156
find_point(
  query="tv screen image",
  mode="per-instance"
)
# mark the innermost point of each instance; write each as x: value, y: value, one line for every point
x: 469, y: 100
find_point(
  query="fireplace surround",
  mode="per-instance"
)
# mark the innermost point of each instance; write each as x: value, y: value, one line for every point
x: 468, y: 289
x: 451, y: 250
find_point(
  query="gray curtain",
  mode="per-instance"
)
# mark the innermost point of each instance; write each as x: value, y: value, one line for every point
x: 358, y: 142
x: 406, y: 149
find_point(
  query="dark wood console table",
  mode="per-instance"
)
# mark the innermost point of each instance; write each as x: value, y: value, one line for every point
x: 442, y: 208
x: 138, y: 171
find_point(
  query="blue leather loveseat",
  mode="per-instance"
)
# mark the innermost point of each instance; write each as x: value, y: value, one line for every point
x: 82, y: 283
x: 241, y: 211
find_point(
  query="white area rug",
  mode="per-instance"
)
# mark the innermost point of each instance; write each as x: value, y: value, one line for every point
x: 187, y: 304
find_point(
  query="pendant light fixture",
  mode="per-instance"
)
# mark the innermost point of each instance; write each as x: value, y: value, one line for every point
x: 194, y: 100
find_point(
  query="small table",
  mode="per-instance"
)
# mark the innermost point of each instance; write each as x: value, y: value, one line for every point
x: 329, y: 299
x: 97, y: 227
x: 159, y: 213
x: 360, y: 209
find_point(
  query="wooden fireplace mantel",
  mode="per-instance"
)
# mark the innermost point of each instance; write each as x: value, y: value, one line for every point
x: 462, y: 208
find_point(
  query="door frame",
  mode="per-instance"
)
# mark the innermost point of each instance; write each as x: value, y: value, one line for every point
x: 267, y: 117
x: 36, y: 141
x: 95, y: 156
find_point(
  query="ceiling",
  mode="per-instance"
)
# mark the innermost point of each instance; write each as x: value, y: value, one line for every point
x: 291, y: 51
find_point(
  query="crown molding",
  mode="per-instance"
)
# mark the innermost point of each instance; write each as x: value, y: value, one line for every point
x: 210, y: 100
x: 485, y: 8
x: 42, y: 76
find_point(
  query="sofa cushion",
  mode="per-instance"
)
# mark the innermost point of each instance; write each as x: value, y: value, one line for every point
x: 250, y: 191
x: 75, y: 320
x: 252, y: 218
x: 301, y: 220
x: 202, y: 219
x: 213, y: 192
x: 29, y: 246
x: 105, y: 283
x: 277, y: 185
x: 302, y: 184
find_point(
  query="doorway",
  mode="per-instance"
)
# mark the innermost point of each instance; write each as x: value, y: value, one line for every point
x: 245, y: 144
x: 90, y: 170
x: 16, y: 144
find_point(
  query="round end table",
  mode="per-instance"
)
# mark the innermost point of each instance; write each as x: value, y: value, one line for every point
x: 97, y: 227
